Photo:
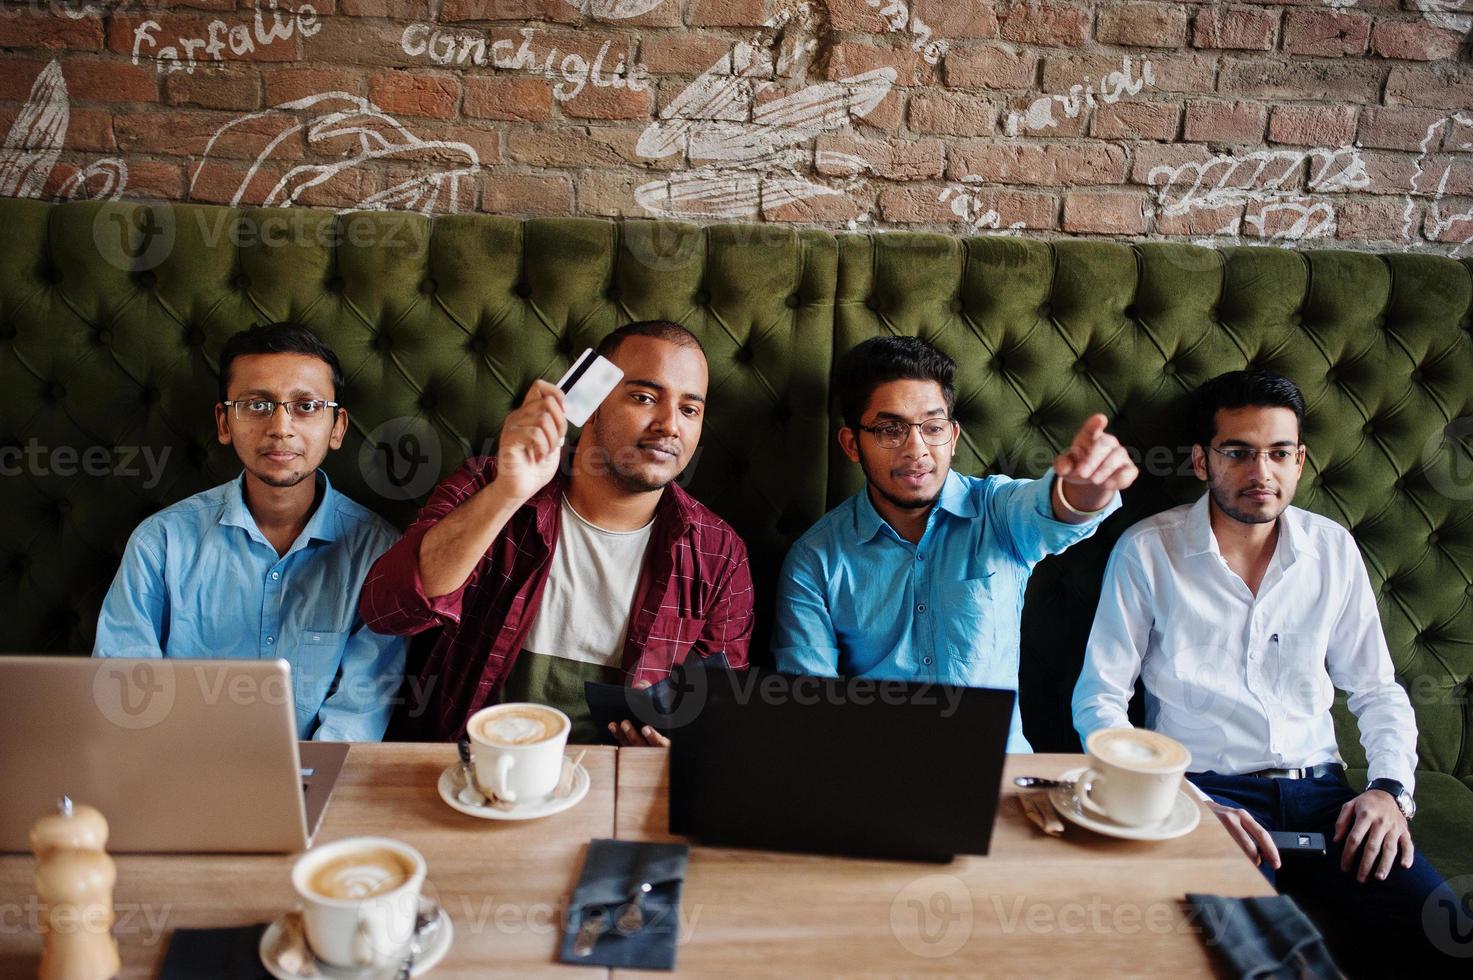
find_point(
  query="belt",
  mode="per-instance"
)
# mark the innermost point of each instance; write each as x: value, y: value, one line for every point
x: 1308, y: 772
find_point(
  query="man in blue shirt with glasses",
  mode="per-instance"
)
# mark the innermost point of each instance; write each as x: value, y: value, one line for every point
x: 270, y: 564
x: 920, y: 576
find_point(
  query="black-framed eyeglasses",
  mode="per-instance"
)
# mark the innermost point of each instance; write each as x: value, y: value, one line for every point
x: 1278, y: 456
x: 893, y: 433
x: 261, y: 409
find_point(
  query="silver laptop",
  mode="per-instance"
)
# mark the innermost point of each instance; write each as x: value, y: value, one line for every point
x: 179, y: 755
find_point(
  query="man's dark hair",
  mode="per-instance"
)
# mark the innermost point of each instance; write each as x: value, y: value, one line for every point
x: 665, y: 330
x: 1242, y: 389
x: 284, y: 337
x: 883, y: 359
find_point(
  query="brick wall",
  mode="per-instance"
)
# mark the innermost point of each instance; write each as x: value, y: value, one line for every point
x: 1347, y: 121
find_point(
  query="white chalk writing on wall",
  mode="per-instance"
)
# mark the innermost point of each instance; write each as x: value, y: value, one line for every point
x: 753, y: 143
x: 1430, y: 176
x: 1454, y: 15
x: 186, y: 53
x: 615, y: 9
x: 1112, y: 88
x: 900, y: 17
x: 348, y: 131
x: 966, y: 202
x: 34, y: 143
x: 1267, y: 182
x: 571, y: 71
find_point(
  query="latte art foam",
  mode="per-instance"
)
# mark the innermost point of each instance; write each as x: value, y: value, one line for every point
x: 361, y: 874
x: 1139, y: 750
x: 519, y: 726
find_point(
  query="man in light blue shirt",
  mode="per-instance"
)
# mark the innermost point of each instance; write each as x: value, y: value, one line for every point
x: 270, y: 564
x: 920, y: 576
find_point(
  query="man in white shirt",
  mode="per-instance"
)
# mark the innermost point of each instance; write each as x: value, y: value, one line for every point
x: 1241, y: 615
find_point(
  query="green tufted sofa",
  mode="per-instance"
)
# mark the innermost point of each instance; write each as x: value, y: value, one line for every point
x: 112, y: 315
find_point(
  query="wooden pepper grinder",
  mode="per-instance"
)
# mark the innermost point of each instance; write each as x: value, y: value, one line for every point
x: 74, y: 883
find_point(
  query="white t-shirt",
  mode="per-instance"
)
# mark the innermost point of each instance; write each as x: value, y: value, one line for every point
x: 584, y: 614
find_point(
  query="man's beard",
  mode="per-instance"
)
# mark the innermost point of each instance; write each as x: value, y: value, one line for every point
x: 282, y: 483
x: 629, y: 482
x: 1224, y: 504
x: 634, y: 483
x: 900, y: 502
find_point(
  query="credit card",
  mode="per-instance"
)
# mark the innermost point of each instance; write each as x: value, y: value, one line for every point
x: 586, y: 385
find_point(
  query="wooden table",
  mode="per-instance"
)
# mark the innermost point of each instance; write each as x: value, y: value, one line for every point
x: 505, y: 884
x: 1036, y: 906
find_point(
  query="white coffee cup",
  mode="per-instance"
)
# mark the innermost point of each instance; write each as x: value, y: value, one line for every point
x: 517, y: 749
x: 359, y: 898
x: 1134, y: 776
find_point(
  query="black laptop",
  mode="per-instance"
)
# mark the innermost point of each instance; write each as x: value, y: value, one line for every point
x: 865, y: 768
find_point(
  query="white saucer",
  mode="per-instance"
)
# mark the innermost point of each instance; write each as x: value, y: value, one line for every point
x: 428, y: 957
x: 1182, y: 820
x: 449, y: 784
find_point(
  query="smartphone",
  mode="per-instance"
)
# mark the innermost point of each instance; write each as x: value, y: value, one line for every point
x: 1298, y: 842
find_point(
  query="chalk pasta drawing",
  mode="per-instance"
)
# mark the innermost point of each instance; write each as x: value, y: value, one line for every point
x: 34, y: 143
x: 1430, y: 178
x: 754, y: 145
x: 1266, y: 182
x: 346, y: 132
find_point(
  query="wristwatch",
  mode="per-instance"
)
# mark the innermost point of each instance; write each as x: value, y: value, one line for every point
x: 1397, y: 792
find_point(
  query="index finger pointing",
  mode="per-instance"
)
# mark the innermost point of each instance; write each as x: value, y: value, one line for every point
x: 1093, y: 426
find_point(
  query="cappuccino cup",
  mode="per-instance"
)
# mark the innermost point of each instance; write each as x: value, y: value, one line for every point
x: 1133, y: 776
x: 359, y: 899
x: 517, y: 749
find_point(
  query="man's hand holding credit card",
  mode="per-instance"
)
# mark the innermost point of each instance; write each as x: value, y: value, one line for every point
x: 532, y: 436
x: 586, y: 385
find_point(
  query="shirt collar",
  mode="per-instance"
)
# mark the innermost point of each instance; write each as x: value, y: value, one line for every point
x: 954, y: 499
x: 321, y: 526
x: 1293, y: 539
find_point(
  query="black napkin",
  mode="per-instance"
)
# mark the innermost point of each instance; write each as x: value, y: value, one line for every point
x: 1263, y: 938
x: 221, y: 954
x: 611, y: 871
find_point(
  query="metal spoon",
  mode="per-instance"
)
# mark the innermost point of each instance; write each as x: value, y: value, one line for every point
x: 425, y: 924
x: 470, y: 792
x: 631, y: 916
x: 1038, y: 782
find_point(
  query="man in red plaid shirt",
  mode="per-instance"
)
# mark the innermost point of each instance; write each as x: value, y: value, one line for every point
x: 543, y: 581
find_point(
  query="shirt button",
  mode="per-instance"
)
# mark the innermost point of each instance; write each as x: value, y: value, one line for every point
x: 921, y: 607
x: 276, y: 575
x: 920, y: 557
x: 270, y: 640
x: 926, y: 661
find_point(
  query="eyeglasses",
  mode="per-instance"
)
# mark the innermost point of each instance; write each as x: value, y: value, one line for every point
x: 891, y: 435
x: 1246, y: 457
x: 261, y: 409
